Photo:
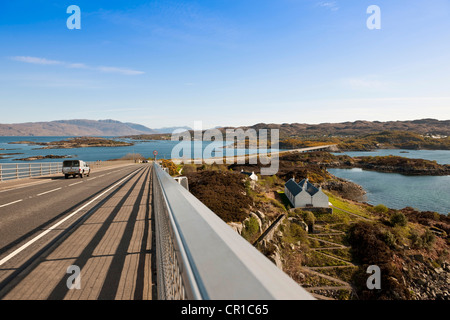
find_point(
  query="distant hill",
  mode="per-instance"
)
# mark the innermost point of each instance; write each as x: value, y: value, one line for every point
x: 357, y: 128
x: 172, y: 129
x: 78, y: 127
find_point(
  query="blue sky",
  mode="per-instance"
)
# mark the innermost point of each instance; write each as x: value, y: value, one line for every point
x: 224, y: 62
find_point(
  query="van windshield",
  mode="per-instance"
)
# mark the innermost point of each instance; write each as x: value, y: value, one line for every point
x: 71, y: 163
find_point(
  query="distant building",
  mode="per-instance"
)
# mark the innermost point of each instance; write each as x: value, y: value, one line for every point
x: 251, y: 175
x: 304, y: 194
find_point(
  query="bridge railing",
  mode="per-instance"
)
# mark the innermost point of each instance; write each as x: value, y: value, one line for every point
x: 200, y: 257
x: 11, y: 171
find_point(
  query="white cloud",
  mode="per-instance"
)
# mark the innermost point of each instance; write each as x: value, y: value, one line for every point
x: 330, y: 5
x: 105, y: 69
x: 124, y: 71
x: 36, y: 60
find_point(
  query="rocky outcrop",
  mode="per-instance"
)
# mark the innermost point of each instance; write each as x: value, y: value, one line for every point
x: 428, y: 283
x: 345, y: 188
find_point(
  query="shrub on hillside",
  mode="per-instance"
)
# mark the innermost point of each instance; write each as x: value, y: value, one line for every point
x: 223, y: 192
x: 398, y: 219
x: 369, y: 247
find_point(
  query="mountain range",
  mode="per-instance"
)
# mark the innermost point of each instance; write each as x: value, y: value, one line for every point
x: 356, y: 128
x: 80, y: 127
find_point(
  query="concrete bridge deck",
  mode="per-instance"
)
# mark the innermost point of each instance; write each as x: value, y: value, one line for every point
x: 108, y: 236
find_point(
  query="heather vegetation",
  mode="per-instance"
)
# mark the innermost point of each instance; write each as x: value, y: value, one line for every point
x: 328, y: 253
x: 372, y: 141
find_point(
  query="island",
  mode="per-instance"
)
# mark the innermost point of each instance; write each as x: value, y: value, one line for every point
x: 50, y: 156
x: 78, y: 142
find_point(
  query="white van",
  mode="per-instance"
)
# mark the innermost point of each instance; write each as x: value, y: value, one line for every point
x: 75, y: 168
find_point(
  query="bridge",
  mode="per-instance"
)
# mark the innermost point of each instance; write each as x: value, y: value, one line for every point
x: 127, y: 232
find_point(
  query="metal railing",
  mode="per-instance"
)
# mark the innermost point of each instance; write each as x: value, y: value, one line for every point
x: 200, y: 257
x: 11, y: 171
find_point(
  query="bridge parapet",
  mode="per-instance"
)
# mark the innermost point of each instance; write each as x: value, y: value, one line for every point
x: 200, y: 257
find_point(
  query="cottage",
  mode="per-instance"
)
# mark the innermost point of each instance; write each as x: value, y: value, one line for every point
x: 251, y: 175
x: 305, y: 194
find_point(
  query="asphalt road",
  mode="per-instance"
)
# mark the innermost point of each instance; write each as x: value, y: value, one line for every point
x: 27, y: 209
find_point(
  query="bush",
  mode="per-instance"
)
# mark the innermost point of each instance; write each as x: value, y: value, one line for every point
x: 170, y: 165
x: 398, y: 219
x: 425, y: 240
x: 380, y: 208
x: 308, y: 217
x: 223, y: 192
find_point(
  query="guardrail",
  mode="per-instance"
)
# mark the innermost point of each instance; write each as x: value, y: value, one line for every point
x: 11, y: 171
x: 200, y: 257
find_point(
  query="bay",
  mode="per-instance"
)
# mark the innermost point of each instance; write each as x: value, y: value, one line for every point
x: 425, y: 193
x: 144, y: 148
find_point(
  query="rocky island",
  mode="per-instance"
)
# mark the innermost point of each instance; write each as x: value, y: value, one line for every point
x: 78, y: 142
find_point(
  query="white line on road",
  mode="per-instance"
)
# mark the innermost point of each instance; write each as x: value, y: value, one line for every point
x: 40, y: 194
x: 4, y: 205
x: 75, y: 183
x: 25, y: 185
x: 17, y: 251
x: 91, y: 179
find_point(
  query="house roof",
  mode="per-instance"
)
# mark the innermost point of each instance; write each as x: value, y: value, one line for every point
x: 293, y: 187
x: 309, y: 187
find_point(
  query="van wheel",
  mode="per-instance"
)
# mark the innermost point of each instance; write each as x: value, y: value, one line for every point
x: 81, y: 175
x: 66, y: 176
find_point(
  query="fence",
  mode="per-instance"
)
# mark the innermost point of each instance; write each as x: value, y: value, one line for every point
x: 198, y: 256
x: 12, y: 171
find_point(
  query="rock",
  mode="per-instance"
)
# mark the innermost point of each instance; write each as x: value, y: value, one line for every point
x: 417, y: 257
x: 236, y: 226
x: 257, y: 219
x: 438, y: 270
x: 301, y: 223
x: 276, y: 258
x: 261, y: 215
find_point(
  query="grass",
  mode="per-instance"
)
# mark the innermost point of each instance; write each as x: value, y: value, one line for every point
x: 347, y: 205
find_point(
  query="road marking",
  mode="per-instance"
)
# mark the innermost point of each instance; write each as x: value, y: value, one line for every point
x: 91, y: 179
x: 4, y: 205
x: 101, y: 176
x: 25, y: 185
x: 75, y: 183
x: 40, y: 194
x: 26, y: 245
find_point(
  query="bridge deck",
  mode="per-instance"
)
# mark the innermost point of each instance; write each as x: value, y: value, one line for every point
x: 113, y: 248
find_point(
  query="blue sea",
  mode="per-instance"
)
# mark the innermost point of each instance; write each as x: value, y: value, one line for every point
x: 391, y: 189
x: 425, y: 193
x: 144, y: 148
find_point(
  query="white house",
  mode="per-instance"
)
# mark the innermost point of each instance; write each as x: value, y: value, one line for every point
x: 304, y: 194
x: 251, y: 175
